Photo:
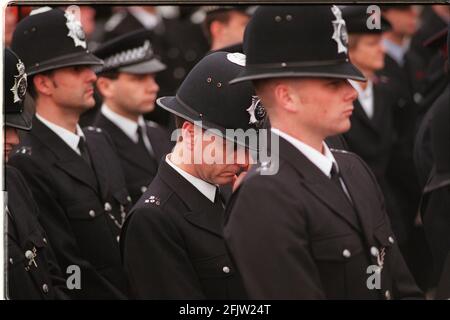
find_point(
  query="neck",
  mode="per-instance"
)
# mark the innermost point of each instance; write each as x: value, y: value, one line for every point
x: 183, y: 160
x: 396, y: 38
x: 306, y: 136
x: 114, y: 107
x: 65, y: 118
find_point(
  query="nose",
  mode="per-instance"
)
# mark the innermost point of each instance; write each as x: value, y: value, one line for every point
x: 90, y: 75
x: 351, y: 94
x: 152, y: 85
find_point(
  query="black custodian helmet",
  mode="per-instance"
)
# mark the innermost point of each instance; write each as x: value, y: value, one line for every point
x: 14, y: 89
x: 297, y: 41
x: 50, y: 39
x: 205, y: 95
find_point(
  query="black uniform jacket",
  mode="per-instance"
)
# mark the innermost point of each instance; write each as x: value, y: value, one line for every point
x: 138, y: 166
x: 294, y: 235
x: 172, y: 244
x: 27, y: 242
x: 80, y: 208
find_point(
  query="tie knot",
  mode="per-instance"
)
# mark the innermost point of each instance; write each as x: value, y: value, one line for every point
x: 81, y: 144
x: 334, y: 171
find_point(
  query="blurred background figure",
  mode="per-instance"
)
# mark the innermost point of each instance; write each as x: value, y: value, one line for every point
x: 372, y: 133
x: 11, y: 18
x: 224, y: 25
x: 435, y: 205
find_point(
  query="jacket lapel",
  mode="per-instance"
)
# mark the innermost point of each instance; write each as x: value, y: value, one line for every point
x: 126, y: 148
x: 318, y: 184
x: 68, y: 160
x: 200, y: 212
x: 358, y: 191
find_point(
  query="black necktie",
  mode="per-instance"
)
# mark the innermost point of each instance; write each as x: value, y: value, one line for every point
x: 84, y: 151
x: 336, y: 179
x: 218, y: 199
x: 141, y: 141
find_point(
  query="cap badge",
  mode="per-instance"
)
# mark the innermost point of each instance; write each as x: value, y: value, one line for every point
x: 256, y: 111
x: 340, y: 31
x: 75, y: 30
x: 20, y: 83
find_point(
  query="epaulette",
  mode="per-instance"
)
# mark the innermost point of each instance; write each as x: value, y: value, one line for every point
x: 93, y: 129
x: 24, y: 150
x: 152, y: 124
x: 153, y: 200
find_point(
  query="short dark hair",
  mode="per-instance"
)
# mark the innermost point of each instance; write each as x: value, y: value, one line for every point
x: 31, y: 89
x: 221, y: 16
x: 113, y: 75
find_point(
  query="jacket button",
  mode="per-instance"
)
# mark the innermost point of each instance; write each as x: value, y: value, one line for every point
x: 346, y: 253
x: 391, y: 240
x: 387, y: 295
x: 11, y: 260
x: 374, y: 251
x: 92, y: 213
x: 108, y: 206
x: 45, y: 240
x: 143, y: 189
x: 29, y: 254
x: 226, y: 269
x: 128, y: 198
x: 45, y: 288
x: 118, y: 238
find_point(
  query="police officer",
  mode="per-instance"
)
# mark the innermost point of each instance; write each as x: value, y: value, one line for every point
x: 435, y: 203
x: 224, y: 25
x: 313, y: 228
x: 33, y: 272
x: 172, y: 243
x: 75, y: 175
x: 128, y: 88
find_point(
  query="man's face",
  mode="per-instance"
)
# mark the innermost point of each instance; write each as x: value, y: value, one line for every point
x: 134, y: 93
x: 11, y: 140
x: 73, y: 87
x: 221, y: 159
x: 233, y: 31
x: 403, y: 21
x: 324, y: 106
x: 368, y: 54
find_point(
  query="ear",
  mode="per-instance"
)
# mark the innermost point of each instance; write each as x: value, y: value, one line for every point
x: 44, y: 84
x: 215, y: 29
x: 105, y: 86
x: 187, y: 131
x: 285, y: 96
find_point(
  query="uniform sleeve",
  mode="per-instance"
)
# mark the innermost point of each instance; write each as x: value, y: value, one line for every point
x: 267, y: 232
x: 155, y: 259
x: 54, y: 220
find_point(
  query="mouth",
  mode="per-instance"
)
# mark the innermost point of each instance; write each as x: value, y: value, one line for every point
x: 348, y: 112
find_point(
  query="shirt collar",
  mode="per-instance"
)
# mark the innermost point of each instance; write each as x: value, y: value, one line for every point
x: 395, y: 51
x: 70, y: 138
x: 363, y: 93
x: 129, y: 127
x: 322, y: 161
x: 205, y: 188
